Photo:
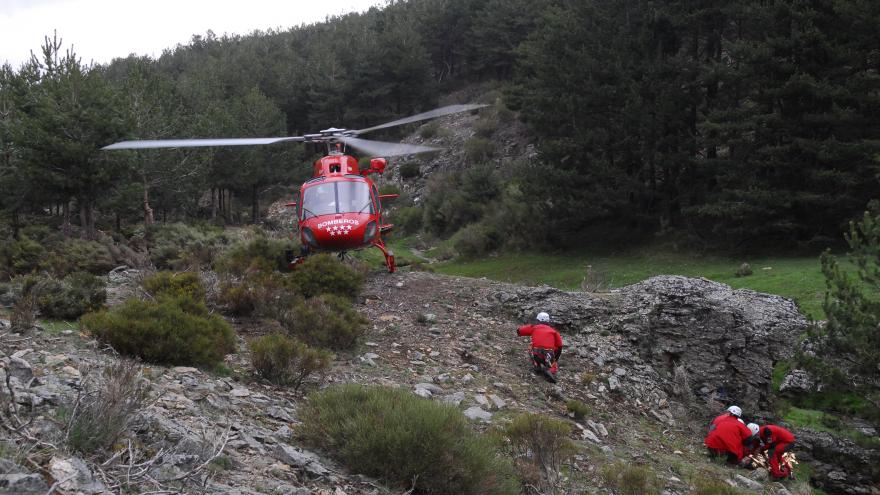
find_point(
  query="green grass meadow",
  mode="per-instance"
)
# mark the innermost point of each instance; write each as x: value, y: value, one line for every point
x: 797, y: 278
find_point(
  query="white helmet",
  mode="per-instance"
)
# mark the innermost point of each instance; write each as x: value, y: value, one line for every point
x: 754, y: 428
x: 735, y: 410
x: 543, y: 317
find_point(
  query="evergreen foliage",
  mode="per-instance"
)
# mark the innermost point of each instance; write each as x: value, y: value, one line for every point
x: 404, y: 439
x: 326, y: 321
x: 726, y: 123
x: 286, y: 361
x: 852, y: 304
x: 322, y: 274
x: 168, y: 331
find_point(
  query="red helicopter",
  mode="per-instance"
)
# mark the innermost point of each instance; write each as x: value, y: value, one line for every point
x: 340, y: 208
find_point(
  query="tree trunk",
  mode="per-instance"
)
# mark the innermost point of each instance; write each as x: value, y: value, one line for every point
x: 148, y: 212
x: 87, y: 218
x: 213, y: 203
x: 255, y: 205
x: 16, y: 225
x: 65, y: 223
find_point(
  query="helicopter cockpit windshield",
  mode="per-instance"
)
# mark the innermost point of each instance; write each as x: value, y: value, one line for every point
x: 336, y: 197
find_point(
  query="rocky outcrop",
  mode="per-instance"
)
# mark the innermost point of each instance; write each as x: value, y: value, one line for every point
x: 839, y: 465
x: 725, y: 341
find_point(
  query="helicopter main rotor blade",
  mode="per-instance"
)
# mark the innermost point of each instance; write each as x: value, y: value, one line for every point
x: 439, y: 112
x: 192, y: 143
x: 382, y: 148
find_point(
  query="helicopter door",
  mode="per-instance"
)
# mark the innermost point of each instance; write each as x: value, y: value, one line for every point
x: 376, y: 201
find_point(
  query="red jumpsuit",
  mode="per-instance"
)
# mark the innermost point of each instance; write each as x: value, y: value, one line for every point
x: 544, y: 338
x: 723, y: 417
x: 777, y: 441
x: 727, y: 439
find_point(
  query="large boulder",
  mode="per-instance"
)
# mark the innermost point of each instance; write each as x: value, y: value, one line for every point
x: 726, y: 341
x: 839, y: 465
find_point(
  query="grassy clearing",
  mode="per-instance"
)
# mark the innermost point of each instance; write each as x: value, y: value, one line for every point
x: 822, y: 421
x: 797, y: 278
x: 401, y: 247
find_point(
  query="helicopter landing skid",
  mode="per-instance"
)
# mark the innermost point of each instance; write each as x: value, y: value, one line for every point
x: 389, y: 255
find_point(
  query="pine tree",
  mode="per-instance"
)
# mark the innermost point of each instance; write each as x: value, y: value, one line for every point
x: 852, y: 304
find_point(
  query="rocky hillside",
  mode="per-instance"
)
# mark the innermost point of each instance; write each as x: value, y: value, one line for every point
x: 652, y: 362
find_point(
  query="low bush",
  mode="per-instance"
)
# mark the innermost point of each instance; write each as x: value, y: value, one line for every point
x: 70, y: 297
x: 326, y: 321
x: 479, y: 150
x: 178, y: 245
x: 254, y: 292
x: 404, y: 439
x: 408, y: 219
x: 486, y: 126
x: 23, y: 315
x: 389, y: 189
x: 79, y: 255
x: 542, y: 442
x: 323, y: 274
x: 709, y: 486
x: 476, y: 239
x: 106, y: 405
x: 286, y: 361
x: 261, y: 254
x: 744, y: 270
x: 578, y: 408
x: 627, y: 479
x: 20, y: 256
x: 409, y: 170
x: 429, y: 130
x: 170, y: 330
x: 174, y: 285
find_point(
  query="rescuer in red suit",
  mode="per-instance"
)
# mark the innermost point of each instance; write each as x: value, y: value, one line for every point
x: 777, y: 441
x: 546, y: 343
x: 730, y: 439
x: 733, y: 413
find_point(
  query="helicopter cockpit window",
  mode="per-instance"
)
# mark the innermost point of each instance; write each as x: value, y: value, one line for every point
x: 354, y: 197
x: 336, y: 197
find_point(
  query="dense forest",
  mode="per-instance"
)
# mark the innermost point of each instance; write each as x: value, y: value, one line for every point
x: 729, y: 124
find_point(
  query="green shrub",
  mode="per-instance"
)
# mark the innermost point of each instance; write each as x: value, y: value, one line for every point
x: 628, y: 479
x: 476, y: 239
x: 326, y: 321
x: 254, y: 292
x: 407, y: 219
x: 479, y: 149
x: 175, y: 285
x: 323, y: 274
x: 709, y: 486
x: 70, y: 297
x: 261, y: 254
x: 578, y: 408
x: 178, y: 245
x: 486, y: 126
x: 429, y: 130
x: 409, y: 170
x: 170, y: 330
x: 106, y: 405
x: 79, y: 255
x: 542, y: 442
x: 403, y: 439
x: 20, y: 256
x: 286, y: 361
x: 389, y: 189
x: 587, y: 377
